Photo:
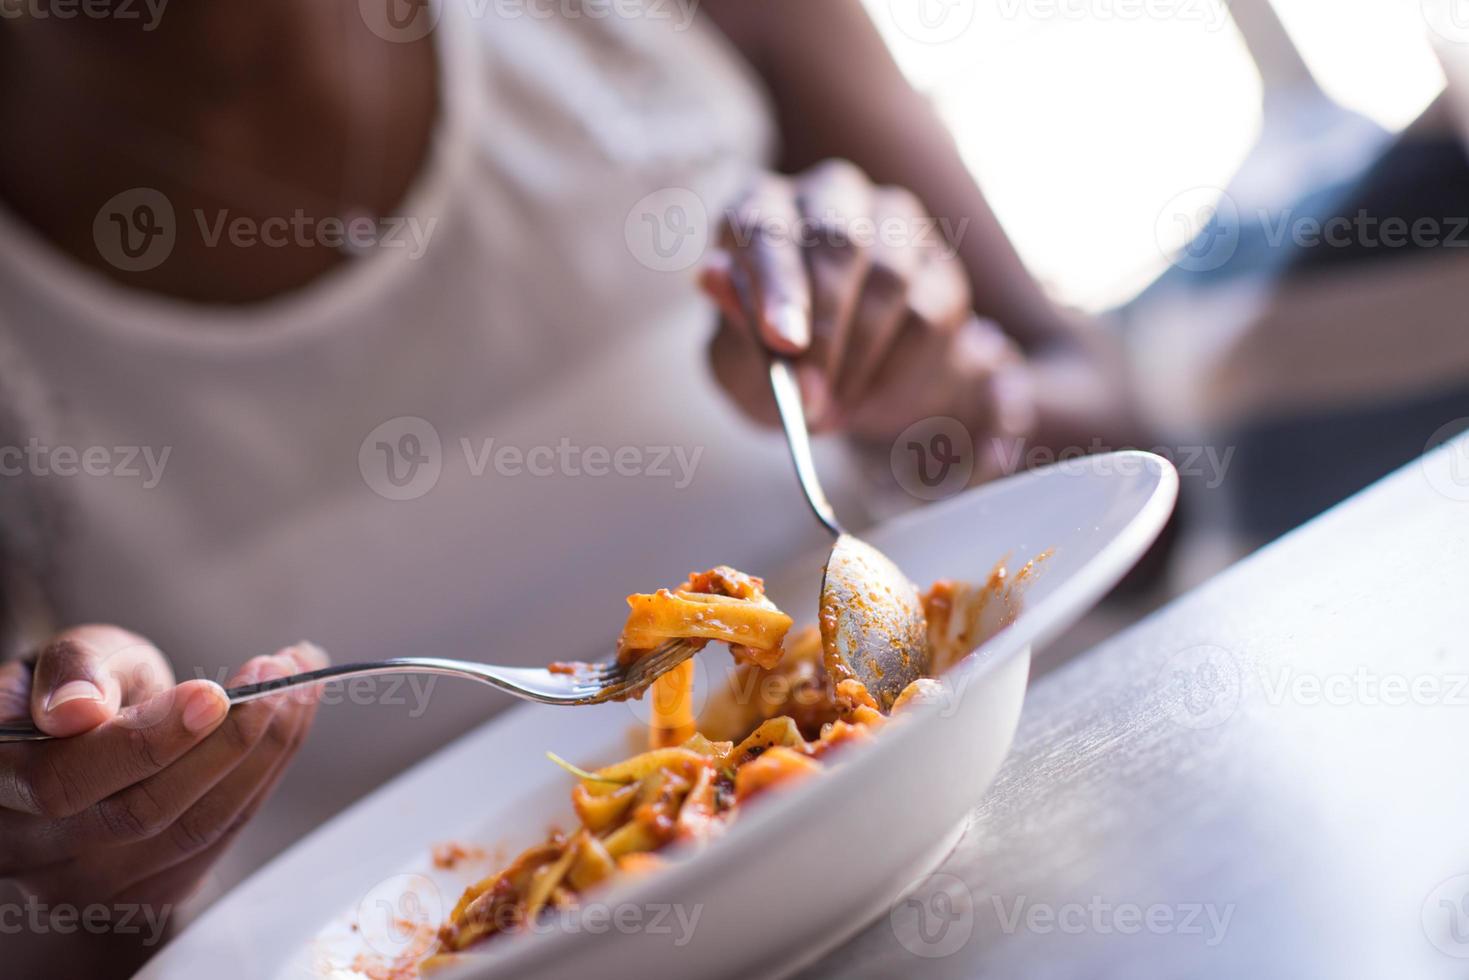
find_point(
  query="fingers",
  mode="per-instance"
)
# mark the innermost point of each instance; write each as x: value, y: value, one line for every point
x: 85, y: 674
x: 994, y: 381
x: 60, y: 779
x: 973, y: 373
x: 892, y: 334
x: 218, y: 814
x: 835, y: 200
x: 739, y: 366
x: 158, y: 835
x: 716, y: 281
x: 203, y: 802
x: 767, y: 270
x: 152, y: 805
x: 885, y: 296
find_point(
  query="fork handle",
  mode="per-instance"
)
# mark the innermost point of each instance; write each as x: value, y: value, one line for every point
x: 26, y: 732
x: 798, y: 438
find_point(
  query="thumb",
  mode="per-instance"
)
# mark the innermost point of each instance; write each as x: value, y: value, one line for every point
x: 717, y: 282
x: 85, y: 674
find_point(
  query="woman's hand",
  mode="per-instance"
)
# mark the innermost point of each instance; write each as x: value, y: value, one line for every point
x: 148, y: 782
x: 864, y: 292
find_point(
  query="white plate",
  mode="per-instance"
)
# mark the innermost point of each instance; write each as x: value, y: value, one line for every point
x: 796, y: 874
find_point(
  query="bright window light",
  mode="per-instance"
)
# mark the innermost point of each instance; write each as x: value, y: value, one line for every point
x: 1082, y: 119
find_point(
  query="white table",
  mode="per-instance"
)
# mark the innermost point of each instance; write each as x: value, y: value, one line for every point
x: 1267, y: 778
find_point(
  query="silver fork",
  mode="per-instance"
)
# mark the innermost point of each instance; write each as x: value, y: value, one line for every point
x: 591, y: 683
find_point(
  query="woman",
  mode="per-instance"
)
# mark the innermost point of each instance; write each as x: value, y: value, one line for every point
x: 430, y: 434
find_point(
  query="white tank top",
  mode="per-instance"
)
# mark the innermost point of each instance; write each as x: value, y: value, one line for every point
x: 571, y: 448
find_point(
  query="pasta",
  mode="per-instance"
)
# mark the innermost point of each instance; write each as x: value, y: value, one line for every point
x: 720, y: 604
x: 776, y: 724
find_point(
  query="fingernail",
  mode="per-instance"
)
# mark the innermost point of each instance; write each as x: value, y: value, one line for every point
x: 206, y: 708
x: 1014, y: 403
x: 272, y: 670
x: 791, y: 324
x: 73, y: 691
x: 815, y: 393
x: 314, y: 656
